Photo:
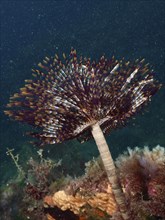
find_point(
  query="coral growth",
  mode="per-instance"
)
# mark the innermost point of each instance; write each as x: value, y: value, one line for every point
x: 142, y: 175
x: 86, y: 191
x: 37, y: 183
x: 78, y: 202
x: 15, y: 159
x: 141, y: 172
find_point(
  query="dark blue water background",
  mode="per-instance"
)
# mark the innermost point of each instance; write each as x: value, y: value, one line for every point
x: 31, y: 30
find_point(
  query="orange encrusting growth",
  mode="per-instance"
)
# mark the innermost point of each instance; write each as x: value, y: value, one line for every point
x: 100, y: 203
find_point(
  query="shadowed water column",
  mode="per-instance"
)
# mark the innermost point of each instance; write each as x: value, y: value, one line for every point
x: 79, y: 98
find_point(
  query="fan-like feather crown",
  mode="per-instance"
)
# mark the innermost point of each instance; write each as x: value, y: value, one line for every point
x: 67, y: 96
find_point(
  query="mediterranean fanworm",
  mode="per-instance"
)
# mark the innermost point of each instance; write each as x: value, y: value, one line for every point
x: 73, y: 97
